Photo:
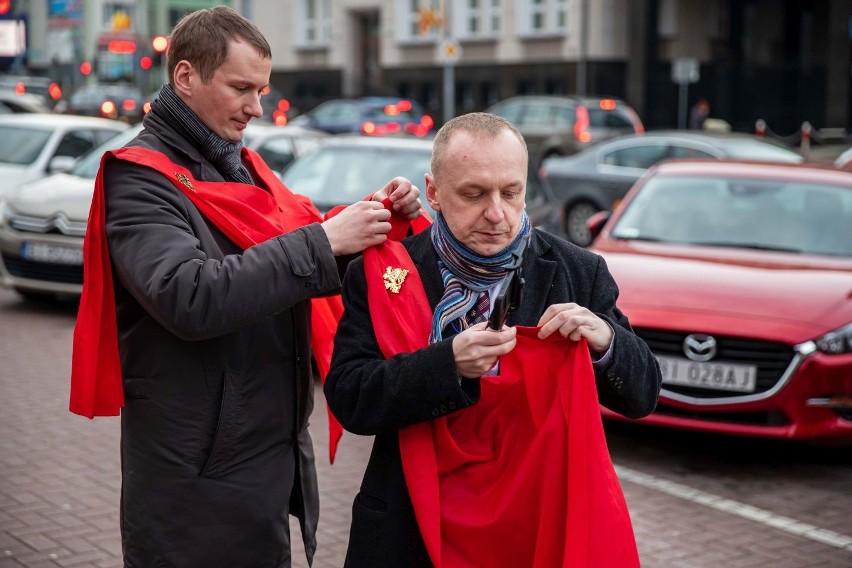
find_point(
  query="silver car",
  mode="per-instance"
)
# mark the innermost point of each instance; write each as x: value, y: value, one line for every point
x: 42, y: 224
x: 35, y: 145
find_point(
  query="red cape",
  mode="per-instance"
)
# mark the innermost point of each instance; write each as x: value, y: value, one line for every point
x: 246, y: 214
x: 523, y: 477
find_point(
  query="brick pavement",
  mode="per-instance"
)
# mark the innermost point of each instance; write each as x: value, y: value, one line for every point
x: 59, y: 480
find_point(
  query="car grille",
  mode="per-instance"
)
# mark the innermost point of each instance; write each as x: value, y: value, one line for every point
x: 64, y: 273
x: 59, y: 225
x: 771, y: 358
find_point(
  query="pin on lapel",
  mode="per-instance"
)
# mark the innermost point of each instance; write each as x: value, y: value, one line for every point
x: 394, y: 277
x: 184, y: 179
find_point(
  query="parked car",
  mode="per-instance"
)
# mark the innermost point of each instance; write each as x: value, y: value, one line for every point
x: 35, y: 145
x: 561, y: 126
x: 844, y: 160
x: 280, y: 145
x: 11, y: 103
x: 115, y: 101
x: 371, y: 116
x: 597, y: 178
x: 42, y: 224
x: 47, y: 90
x: 341, y: 170
x: 738, y: 276
x: 276, y: 108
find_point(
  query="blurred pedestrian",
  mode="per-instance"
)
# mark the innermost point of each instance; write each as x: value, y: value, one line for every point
x: 698, y: 114
x: 200, y: 268
x: 489, y: 449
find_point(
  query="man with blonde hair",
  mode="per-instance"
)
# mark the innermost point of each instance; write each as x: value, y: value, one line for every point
x: 488, y: 449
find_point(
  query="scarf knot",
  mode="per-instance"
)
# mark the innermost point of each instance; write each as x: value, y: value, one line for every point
x: 466, y: 274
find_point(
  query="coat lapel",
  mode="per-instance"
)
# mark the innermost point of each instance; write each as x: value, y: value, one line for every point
x: 426, y: 259
x: 538, y: 278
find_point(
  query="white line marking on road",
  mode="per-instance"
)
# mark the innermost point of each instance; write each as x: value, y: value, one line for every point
x: 763, y: 516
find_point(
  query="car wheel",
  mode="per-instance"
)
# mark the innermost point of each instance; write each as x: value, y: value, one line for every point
x: 576, y: 216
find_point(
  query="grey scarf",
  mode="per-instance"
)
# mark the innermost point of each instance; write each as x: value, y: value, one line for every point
x: 224, y: 155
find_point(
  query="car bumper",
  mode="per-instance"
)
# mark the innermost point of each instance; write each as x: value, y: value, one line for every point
x: 814, y: 404
x: 63, y: 276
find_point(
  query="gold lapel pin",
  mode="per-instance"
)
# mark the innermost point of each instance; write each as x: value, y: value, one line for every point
x: 394, y: 277
x: 184, y: 179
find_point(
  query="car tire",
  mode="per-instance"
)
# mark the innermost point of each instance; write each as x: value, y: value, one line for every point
x: 576, y: 215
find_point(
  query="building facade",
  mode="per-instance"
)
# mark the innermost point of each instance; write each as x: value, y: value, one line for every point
x: 783, y: 61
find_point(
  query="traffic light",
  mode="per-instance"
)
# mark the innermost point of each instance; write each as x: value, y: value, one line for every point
x: 160, y: 45
x: 5, y: 7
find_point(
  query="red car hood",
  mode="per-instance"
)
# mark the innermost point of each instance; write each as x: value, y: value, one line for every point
x: 799, y: 297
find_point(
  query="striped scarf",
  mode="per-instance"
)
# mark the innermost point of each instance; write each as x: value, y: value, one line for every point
x: 224, y: 155
x: 465, y: 274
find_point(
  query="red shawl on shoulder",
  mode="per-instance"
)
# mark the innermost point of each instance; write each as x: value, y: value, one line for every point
x: 523, y: 477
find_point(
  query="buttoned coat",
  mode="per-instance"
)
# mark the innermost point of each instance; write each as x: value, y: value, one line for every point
x: 216, y: 364
x: 373, y: 396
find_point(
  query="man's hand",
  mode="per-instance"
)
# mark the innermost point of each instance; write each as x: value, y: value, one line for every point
x: 403, y: 196
x: 574, y: 322
x: 476, y: 349
x: 359, y: 226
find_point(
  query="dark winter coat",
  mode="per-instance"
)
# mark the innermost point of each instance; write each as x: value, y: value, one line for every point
x: 216, y: 361
x: 374, y: 396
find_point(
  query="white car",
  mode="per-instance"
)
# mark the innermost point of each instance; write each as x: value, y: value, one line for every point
x: 42, y: 223
x: 35, y: 145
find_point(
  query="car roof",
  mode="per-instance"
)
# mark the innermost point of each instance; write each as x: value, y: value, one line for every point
x: 563, y: 98
x: 50, y: 119
x: 804, y: 172
x: 28, y: 100
x: 390, y: 142
x: 711, y: 138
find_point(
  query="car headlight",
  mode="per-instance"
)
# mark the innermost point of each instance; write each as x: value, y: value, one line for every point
x: 834, y: 342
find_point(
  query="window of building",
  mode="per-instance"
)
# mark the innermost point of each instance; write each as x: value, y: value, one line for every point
x: 476, y: 19
x: 419, y: 21
x: 543, y: 17
x: 313, y: 23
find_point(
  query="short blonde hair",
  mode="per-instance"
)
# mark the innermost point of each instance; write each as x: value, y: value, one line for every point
x: 480, y: 124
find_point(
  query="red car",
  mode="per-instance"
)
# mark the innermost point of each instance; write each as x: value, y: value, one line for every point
x: 738, y: 275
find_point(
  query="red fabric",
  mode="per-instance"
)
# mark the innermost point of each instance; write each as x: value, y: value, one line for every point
x: 246, y: 214
x: 327, y: 317
x: 522, y: 478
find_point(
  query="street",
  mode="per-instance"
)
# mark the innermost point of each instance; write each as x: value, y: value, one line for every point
x: 696, y: 500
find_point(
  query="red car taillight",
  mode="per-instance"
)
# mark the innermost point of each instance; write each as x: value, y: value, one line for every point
x: 581, y: 125
x: 373, y: 129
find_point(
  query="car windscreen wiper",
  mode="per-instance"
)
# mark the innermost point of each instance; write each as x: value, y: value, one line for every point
x: 755, y: 246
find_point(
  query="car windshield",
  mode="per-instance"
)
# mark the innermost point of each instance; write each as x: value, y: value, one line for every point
x: 21, y: 145
x: 783, y: 215
x: 87, y: 166
x: 341, y: 175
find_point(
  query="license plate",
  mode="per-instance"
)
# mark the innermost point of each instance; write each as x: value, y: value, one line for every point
x: 53, y: 254
x: 708, y: 375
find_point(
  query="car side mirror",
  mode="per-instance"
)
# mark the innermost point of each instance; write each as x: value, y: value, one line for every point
x: 60, y: 164
x: 596, y: 222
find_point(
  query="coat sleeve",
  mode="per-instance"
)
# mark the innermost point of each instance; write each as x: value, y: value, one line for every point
x: 372, y: 395
x: 630, y: 385
x: 155, y: 240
